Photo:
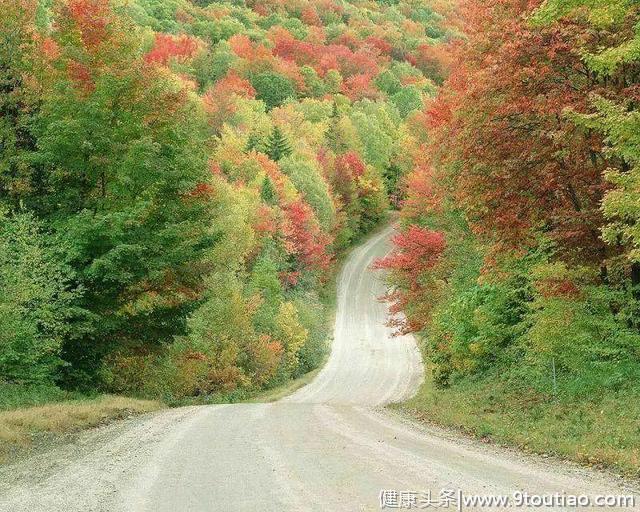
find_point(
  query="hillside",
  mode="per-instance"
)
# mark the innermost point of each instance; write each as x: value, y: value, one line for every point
x: 179, y: 178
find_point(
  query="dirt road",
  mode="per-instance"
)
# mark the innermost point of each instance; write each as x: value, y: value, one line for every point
x: 328, y: 447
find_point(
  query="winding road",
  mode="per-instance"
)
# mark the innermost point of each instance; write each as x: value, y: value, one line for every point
x: 328, y: 447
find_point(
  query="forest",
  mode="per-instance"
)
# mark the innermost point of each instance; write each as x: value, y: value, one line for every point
x: 179, y: 179
x: 518, y: 260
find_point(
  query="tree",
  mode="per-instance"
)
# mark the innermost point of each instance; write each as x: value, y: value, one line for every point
x: 18, y: 108
x: 348, y: 167
x: 407, y: 99
x: 306, y: 242
x: 314, y: 86
x: 37, y: 302
x: 310, y: 183
x: 616, y: 114
x: 525, y: 166
x: 388, y: 82
x: 291, y: 333
x: 377, y: 126
x: 268, y: 192
x: 265, y: 282
x: 335, y: 136
x: 272, y: 88
x: 127, y: 183
x: 417, y: 252
x: 167, y: 47
x: 277, y: 145
x: 254, y: 142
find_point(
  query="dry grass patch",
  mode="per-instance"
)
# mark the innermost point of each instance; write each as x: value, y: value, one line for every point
x: 17, y: 426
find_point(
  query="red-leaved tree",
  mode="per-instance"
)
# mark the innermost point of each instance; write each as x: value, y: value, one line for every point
x: 418, y: 251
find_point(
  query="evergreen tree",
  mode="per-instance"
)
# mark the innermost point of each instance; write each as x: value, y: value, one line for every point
x: 334, y: 136
x: 268, y: 192
x: 254, y: 143
x: 277, y: 146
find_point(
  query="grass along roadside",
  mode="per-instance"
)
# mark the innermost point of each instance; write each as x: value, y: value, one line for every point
x: 280, y: 392
x: 21, y: 427
x: 599, y: 431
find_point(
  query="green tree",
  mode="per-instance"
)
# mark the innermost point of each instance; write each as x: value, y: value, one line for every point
x: 407, y: 100
x: 212, y: 65
x: 391, y: 176
x: 277, y: 145
x: 264, y: 281
x: 268, y: 192
x: 17, y: 107
x: 377, y: 127
x: 273, y: 88
x: 333, y: 80
x: 254, y: 142
x: 122, y: 146
x: 621, y: 203
x: 314, y: 86
x: 334, y: 136
x: 37, y: 301
x: 388, y: 82
x: 307, y: 179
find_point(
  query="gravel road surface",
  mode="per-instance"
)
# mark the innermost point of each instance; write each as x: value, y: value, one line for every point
x: 328, y: 447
